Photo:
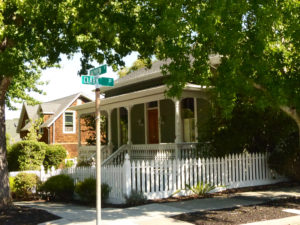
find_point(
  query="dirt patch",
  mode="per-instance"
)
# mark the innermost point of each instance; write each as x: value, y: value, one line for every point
x: 247, y: 214
x: 19, y: 215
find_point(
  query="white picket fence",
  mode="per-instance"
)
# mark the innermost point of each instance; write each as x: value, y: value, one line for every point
x: 160, y: 179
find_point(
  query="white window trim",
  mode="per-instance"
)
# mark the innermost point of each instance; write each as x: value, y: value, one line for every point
x: 74, y: 123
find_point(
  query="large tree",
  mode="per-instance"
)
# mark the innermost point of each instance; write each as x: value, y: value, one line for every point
x: 34, y: 34
x: 257, y: 42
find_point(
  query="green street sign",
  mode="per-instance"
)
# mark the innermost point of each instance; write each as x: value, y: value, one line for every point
x: 106, y: 81
x: 99, y: 70
x: 88, y: 80
x: 92, y: 80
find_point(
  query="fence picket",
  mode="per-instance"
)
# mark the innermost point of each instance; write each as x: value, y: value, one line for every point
x: 143, y: 174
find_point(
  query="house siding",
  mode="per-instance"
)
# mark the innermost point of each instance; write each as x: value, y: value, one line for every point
x: 68, y: 140
x: 137, y: 114
x: 167, y: 117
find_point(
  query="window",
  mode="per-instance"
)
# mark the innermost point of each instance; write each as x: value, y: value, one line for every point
x: 152, y: 104
x: 69, y: 122
x: 188, y: 116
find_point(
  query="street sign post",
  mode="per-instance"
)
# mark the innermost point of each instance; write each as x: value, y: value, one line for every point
x: 95, y: 79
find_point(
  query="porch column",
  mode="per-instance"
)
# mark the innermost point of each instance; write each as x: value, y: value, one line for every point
x: 119, y: 130
x: 178, y: 126
x: 79, y: 129
x: 129, y: 142
x: 109, y: 130
x: 196, y: 119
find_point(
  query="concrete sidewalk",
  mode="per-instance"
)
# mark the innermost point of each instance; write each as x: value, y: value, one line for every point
x: 160, y: 213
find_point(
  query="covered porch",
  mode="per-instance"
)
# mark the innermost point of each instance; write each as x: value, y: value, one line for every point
x: 147, y: 125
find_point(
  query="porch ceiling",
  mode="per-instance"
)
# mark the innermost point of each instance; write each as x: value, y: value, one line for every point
x: 139, y: 97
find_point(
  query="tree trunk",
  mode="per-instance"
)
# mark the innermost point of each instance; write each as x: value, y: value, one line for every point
x: 5, y: 198
x: 293, y: 114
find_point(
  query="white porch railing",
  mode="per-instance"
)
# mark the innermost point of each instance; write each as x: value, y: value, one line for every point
x: 160, y: 151
x: 88, y: 152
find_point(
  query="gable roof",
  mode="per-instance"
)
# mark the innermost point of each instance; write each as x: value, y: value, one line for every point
x: 55, y: 108
x: 145, y: 74
x: 139, y: 75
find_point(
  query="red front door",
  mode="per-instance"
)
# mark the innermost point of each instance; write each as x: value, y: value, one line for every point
x: 153, y: 126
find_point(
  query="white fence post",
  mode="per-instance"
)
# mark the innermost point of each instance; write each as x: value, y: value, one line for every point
x: 42, y: 173
x: 127, y: 175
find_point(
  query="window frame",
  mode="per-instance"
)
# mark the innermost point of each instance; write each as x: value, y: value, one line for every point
x: 74, y: 123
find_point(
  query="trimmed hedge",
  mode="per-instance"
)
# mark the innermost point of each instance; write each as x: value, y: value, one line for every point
x: 60, y: 188
x: 87, y: 190
x: 24, y: 185
x: 55, y: 155
x: 30, y: 155
x: 26, y: 155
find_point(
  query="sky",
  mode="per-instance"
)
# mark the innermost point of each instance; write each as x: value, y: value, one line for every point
x: 64, y: 81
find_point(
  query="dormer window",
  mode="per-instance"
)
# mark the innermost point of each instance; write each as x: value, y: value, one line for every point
x: 69, y: 122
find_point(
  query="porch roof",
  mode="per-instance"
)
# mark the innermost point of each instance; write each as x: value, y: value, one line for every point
x: 139, y: 97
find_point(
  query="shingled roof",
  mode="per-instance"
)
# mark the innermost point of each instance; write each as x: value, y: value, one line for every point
x: 145, y: 74
x: 55, y: 108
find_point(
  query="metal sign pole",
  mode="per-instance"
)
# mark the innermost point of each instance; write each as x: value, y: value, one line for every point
x: 98, y: 155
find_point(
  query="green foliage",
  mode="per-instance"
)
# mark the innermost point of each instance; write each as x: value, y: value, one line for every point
x: 26, y: 155
x: 24, y: 185
x: 285, y: 160
x: 90, y: 124
x: 54, y: 156
x: 248, y: 129
x: 136, y: 65
x: 135, y: 198
x: 68, y: 164
x: 7, y: 136
x: 59, y: 187
x: 12, y: 187
x: 85, y: 163
x: 87, y: 190
x: 200, y: 189
x: 33, y: 131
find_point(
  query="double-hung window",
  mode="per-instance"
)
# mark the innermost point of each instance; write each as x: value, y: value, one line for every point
x: 69, y: 122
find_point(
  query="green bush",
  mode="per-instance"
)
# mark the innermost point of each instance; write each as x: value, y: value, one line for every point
x: 135, y: 198
x: 60, y: 188
x: 85, y: 163
x: 24, y: 185
x: 68, y: 164
x: 87, y: 190
x: 285, y: 160
x: 12, y: 187
x: 54, y: 156
x: 26, y: 155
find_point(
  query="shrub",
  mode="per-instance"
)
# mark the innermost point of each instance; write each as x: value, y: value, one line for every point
x: 87, y: 190
x: 12, y: 187
x: 85, y: 163
x: 200, y: 189
x: 285, y: 160
x: 24, y: 185
x: 68, y: 164
x: 54, y: 156
x: 60, y: 188
x: 26, y: 155
x: 135, y: 198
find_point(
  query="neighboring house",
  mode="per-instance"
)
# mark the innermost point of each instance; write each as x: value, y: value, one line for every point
x: 142, y: 121
x: 59, y: 122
